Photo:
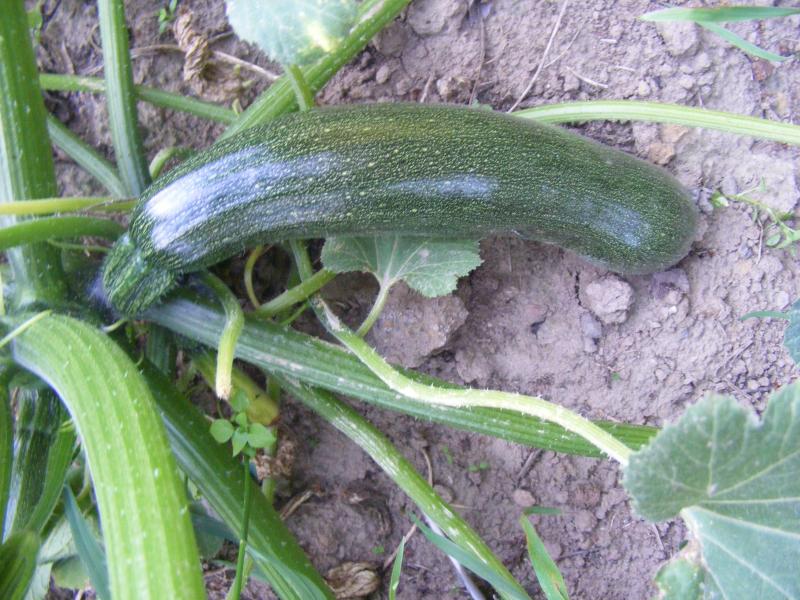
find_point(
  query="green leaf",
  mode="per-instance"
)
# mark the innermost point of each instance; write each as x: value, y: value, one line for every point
x: 70, y: 573
x: 547, y: 573
x: 239, y: 440
x: 222, y: 430
x: 241, y: 419
x: 680, y: 579
x: 471, y: 562
x: 151, y: 551
x: 397, y: 568
x: 742, y: 44
x: 430, y: 266
x: 734, y: 480
x: 239, y: 400
x: 293, y: 33
x: 17, y: 563
x: 260, y: 436
x: 719, y: 15
x: 791, y: 337
x: 89, y: 550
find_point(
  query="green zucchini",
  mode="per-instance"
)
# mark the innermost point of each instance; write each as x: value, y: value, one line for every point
x: 413, y: 169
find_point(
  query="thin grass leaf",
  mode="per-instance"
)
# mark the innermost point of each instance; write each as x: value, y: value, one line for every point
x: 765, y: 314
x: 151, y: 551
x: 86, y: 156
x: 742, y: 44
x: 470, y: 562
x: 547, y: 573
x: 60, y: 82
x: 89, y: 550
x: 50, y: 228
x: 722, y: 14
x: 6, y: 448
x: 397, y: 567
x: 659, y: 112
x: 17, y: 564
x: 120, y: 97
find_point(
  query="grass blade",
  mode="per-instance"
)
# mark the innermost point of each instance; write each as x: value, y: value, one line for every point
x: 26, y: 161
x: 86, y: 156
x: 397, y: 568
x: 89, y: 550
x: 657, y: 112
x: 405, y: 476
x: 49, y: 228
x: 220, y: 479
x: 17, y: 564
x: 741, y: 43
x: 58, y: 82
x: 120, y: 97
x: 151, y: 551
x: 550, y: 578
x: 284, y: 351
x: 721, y: 14
x: 6, y: 449
x: 470, y: 562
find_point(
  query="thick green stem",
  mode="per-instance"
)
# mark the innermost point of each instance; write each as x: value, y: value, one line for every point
x: 657, y: 112
x: 26, y: 162
x: 58, y: 82
x: 46, y: 228
x: 164, y: 155
x: 237, y: 582
x: 120, y: 98
x: 295, y: 295
x: 86, y: 156
x: 234, y: 321
x: 47, y: 206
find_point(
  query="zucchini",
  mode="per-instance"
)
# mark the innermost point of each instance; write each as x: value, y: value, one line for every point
x: 413, y: 169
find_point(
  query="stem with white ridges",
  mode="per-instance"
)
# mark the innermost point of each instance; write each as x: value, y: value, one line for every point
x: 457, y: 398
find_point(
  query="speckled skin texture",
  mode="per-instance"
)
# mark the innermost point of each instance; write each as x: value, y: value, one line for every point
x: 408, y: 168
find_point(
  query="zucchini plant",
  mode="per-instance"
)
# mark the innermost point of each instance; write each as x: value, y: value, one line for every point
x: 448, y: 176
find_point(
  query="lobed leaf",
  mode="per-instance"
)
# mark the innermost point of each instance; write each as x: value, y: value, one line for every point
x: 735, y: 480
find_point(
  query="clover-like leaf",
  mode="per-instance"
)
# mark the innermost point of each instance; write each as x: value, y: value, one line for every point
x: 239, y: 400
x: 221, y: 430
x: 430, y: 266
x: 260, y: 436
x: 791, y: 337
x: 239, y: 440
x: 292, y: 33
x: 735, y: 480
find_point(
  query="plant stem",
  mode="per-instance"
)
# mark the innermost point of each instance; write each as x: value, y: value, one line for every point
x: 120, y: 97
x: 249, y: 266
x: 86, y: 156
x: 657, y: 112
x: 59, y: 82
x: 458, y: 398
x: 303, y: 94
x: 237, y: 582
x: 234, y: 321
x: 46, y: 206
x: 164, y: 156
x: 46, y: 228
x: 294, y: 295
x: 375, y: 311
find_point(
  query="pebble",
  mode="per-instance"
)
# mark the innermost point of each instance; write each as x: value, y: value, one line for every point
x: 383, y: 74
x: 782, y: 299
x: 679, y: 37
x: 523, y: 498
x: 609, y: 298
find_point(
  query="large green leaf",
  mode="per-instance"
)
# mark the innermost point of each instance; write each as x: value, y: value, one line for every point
x: 292, y: 33
x: 88, y: 548
x: 736, y: 482
x: 791, y: 337
x: 147, y: 532
x: 430, y: 266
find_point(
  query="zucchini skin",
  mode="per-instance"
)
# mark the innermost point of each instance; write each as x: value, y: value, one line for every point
x: 432, y: 170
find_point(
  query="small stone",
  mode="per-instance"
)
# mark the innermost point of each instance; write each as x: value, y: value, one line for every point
x: 609, y: 298
x: 383, y: 74
x: 673, y: 133
x: 523, y: 498
x: 661, y: 153
x: 571, y: 83
x: 753, y: 385
x: 763, y: 382
x: 450, y: 88
x: 679, y: 37
x: 643, y: 89
x: 781, y: 299
x: 686, y: 82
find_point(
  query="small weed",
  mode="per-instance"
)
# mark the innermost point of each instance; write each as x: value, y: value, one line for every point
x: 166, y: 15
x: 448, y: 454
x: 481, y: 466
